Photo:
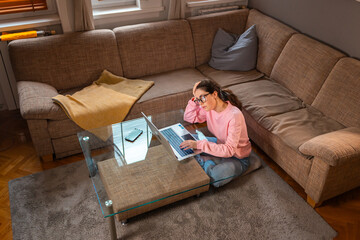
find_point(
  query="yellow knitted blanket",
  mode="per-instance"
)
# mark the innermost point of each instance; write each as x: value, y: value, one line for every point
x: 107, y: 101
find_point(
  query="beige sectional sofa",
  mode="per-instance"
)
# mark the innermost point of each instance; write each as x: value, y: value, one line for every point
x: 301, y: 102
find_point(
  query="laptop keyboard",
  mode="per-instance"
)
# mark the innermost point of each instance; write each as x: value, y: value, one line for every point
x: 175, y: 141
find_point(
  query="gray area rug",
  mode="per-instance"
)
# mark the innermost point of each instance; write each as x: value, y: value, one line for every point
x: 61, y: 204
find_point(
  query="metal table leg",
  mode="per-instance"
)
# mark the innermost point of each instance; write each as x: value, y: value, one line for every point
x: 111, y: 220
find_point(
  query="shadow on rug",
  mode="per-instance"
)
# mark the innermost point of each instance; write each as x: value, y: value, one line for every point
x: 61, y: 204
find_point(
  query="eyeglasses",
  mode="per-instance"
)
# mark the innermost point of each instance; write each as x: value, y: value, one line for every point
x: 201, y: 99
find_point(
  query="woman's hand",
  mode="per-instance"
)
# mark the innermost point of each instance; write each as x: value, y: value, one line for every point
x: 188, y: 144
x: 194, y: 88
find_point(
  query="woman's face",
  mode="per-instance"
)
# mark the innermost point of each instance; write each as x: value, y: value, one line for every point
x: 206, y: 100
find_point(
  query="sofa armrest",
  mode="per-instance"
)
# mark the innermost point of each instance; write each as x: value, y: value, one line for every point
x: 334, y: 147
x: 35, y: 100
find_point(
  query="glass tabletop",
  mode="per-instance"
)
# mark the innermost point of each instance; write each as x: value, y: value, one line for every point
x: 133, y: 177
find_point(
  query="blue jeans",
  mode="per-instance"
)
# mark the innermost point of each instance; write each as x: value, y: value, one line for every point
x: 221, y: 170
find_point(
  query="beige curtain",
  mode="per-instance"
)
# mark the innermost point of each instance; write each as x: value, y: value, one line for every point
x: 176, y: 9
x: 84, y: 19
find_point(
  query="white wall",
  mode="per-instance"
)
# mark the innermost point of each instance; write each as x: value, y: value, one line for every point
x: 334, y: 22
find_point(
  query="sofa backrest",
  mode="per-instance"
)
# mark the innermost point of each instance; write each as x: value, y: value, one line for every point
x: 205, y: 27
x: 339, y: 96
x: 272, y: 37
x: 65, y: 61
x: 151, y: 48
x: 303, y: 66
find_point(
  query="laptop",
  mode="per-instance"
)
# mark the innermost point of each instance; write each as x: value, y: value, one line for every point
x: 171, y: 137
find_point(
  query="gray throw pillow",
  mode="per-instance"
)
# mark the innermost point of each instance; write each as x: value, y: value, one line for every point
x: 230, y: 52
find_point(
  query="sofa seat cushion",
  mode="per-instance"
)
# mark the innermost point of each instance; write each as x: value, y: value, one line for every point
x: 265, y: 98
x: 296, y: 165
x: 227, y: 78
x: 297, y: 127
x: 171, y: 83
x: 160, y: 105
x: 36, y: 103
x: 178, y: 83
x: 62, y: 128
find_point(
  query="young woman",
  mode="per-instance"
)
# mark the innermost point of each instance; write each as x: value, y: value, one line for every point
x: 231, y: 148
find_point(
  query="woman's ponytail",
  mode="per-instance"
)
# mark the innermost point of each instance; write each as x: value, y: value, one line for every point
x: 228, y: 95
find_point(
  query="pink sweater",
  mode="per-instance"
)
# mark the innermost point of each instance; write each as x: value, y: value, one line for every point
x: 228, y: 127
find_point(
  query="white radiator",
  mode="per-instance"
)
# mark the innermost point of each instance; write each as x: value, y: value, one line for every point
x: 8, y: 91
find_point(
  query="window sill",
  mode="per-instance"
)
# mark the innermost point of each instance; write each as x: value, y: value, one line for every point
x: 29, y: 22
x: 211, y: 2
x: 123, y: 11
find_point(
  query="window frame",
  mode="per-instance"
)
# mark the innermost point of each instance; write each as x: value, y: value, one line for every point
x: 52, y: 9
x: 96, y: 4
x: 204, y: 3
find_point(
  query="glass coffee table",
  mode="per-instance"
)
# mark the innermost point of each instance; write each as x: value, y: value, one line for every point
x: 131, y: 178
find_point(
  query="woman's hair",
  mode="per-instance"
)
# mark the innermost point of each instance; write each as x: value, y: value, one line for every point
x: 224, y: 94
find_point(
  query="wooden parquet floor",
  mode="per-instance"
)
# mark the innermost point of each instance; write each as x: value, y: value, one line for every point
x: 18, y: 159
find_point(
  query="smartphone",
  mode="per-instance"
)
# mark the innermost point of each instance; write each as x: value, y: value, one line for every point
x: 133, y: 135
